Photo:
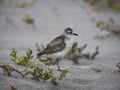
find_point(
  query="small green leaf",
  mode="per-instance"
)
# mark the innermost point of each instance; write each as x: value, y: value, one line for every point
x: 29, y: 52
x: 13, y: 55
x: 12, y: 87
x: 47, y: 62
x: 63, y: 74
x: 22, y: 60
x: 53, y: 80
x: 28, y: 20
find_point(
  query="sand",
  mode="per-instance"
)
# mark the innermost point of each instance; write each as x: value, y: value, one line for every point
x: 51, y: 18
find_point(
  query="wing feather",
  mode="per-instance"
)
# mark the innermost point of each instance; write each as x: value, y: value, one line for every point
x: 56, y: 45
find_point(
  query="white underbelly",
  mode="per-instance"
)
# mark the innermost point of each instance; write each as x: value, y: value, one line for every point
x: 62, y: 53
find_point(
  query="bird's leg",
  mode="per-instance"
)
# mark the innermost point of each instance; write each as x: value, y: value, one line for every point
x: 57, y: 62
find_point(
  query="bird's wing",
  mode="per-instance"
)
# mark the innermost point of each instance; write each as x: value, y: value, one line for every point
x: 56, y: 45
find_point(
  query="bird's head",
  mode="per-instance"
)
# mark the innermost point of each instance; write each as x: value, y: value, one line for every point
x: 69, y: 32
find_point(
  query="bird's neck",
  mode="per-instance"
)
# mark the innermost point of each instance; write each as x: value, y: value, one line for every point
x: 66, y: 37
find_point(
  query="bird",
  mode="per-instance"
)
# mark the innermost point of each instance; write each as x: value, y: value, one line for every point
x: 59, y: 46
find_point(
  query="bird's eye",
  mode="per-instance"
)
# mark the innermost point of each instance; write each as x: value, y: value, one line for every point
x: 70, y: 32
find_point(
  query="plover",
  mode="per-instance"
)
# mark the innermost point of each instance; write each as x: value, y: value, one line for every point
x: 59, y: 46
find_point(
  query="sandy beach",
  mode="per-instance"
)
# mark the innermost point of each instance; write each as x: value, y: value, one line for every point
x: 51, y: 18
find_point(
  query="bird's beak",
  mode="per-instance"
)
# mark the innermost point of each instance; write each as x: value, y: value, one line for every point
x: 75, y: 34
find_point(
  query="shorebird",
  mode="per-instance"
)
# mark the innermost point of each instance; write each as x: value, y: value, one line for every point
x: 59, y: 46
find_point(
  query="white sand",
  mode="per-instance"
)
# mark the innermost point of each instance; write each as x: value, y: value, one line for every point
x: 51, y: 17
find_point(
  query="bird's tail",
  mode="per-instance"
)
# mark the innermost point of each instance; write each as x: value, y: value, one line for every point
x: 40, y: 54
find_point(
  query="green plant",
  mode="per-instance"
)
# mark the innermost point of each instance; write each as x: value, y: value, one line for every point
x: 26, y: 4
x: 53, y: 80
x: 12, y: 87
x: 113, y: 4
x: 13, y: 55
x: 110, y: 2
x: 75, y: 53
x: 47, y: 74
x: 63, y: 74
x: 28, y: 20
x: 38, y: 73
x: 47, y: 62
x: 22, y: 60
